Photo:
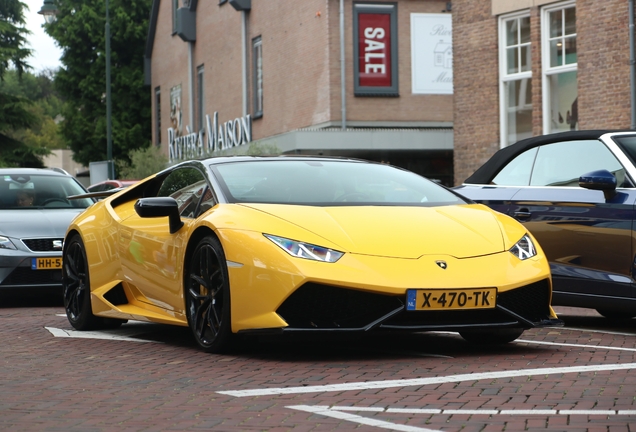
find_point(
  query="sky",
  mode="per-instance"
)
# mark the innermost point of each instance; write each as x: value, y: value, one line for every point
x: 46, y: 54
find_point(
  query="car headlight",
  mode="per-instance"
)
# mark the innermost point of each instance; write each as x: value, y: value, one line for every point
x: 5, y: 243
x: 524, y: 248
x: 305, y: 250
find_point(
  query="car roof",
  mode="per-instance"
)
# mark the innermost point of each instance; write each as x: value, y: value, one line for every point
x: 33, y: 171
x: 241, y: 158
x: 485, y: 173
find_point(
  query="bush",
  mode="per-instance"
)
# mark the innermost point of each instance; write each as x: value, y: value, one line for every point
x: 143, y: 162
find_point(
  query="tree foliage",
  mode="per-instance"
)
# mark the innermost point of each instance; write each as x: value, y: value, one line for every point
x: 143, y: 162
x: 44, y: 107
x: 15, y: 113
x: 80, y: 31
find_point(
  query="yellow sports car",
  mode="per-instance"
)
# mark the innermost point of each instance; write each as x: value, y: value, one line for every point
x: 234, y: 245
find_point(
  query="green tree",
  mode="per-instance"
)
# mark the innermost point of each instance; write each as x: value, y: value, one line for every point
x: 45, y: 106
x: 80, y: 32
x: 14, y: 109
x: 143, y: 162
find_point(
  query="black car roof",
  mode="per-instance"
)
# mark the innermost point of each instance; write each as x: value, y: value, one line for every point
x: 487, y: 171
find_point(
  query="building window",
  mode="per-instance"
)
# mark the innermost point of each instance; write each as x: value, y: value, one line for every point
x: 175, y: 6
x: 257, y: 50
x: 158, y: 116
x: 559, y: 58
x: 515, y: 70
x: 200, y: 99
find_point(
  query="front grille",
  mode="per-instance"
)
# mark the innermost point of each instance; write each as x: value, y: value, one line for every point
x: 315, y: 306
x: 43, y: 244
x: 448, y: 319
x: 530, y: 301
x: 26, y: 276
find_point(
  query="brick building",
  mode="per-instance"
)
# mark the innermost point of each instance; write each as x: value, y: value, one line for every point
x: 530, y: 67
x: 237, y: 76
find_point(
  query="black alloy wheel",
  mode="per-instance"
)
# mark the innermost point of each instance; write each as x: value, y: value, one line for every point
x: 208, y: 296
x: 77, y: 295
x: 76, y: 288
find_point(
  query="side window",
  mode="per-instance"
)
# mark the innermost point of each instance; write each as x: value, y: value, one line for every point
x: 517, y: 172
x: 561, y: 164
x: 186, y: 186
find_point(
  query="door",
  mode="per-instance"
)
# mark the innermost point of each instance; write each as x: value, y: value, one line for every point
x: 154, y: 263
x: 587, y: 238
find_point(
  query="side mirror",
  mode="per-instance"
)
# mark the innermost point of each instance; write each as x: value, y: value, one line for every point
x: 602, y: 180
x: 160, y: 207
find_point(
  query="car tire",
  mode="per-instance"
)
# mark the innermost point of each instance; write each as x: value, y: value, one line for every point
x: 207, y: 296
x: 491, y: 336
x: 76, y: 283
x: 614, y: 315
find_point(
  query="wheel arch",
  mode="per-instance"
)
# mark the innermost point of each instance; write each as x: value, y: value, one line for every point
x: 195, y: 238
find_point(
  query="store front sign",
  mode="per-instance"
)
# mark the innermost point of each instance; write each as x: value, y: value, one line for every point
x: 375, y: 49
x: 432, y: 53
x: 215, y: 137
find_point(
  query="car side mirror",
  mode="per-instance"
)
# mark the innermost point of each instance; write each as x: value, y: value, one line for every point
x: 602, y: 180
x: 160, y: 207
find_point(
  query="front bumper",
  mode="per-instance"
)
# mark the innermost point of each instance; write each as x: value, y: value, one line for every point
x: 315, y: 307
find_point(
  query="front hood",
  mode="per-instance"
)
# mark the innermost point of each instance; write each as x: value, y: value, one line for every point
x: 400, y: 232
x: 34, y: 223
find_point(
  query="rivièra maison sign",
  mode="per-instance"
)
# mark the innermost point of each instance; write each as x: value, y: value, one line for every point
x: 215, y: 137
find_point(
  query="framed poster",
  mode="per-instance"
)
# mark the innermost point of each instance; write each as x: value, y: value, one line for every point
x: 375, y: 69
x: 432, y: 53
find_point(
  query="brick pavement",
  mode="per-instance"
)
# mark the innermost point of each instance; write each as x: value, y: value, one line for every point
x: 63, y: 384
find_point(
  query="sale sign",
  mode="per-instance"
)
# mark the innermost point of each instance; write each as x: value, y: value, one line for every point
x: 375, y: 49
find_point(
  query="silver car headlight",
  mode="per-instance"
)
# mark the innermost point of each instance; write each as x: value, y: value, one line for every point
x: 5, y: 243
x: 306, y: 250
x: 524, y: 248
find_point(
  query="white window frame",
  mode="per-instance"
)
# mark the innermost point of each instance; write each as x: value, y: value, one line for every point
x: 258, y: 99
x: 158, y: 116
x: 200, y: 98
x: 504, y: 76
x: 547, y: 70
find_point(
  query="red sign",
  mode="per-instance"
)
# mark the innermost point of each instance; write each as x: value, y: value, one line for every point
x: 374, y: 49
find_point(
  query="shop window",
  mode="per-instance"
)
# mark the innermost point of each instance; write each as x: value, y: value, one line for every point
x: 257, y: 53
x: 158, y: 116
x: 559, y: 58
x: 515, y: 89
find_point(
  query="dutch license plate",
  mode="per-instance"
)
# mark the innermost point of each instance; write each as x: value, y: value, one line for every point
x: 435, y: 299
x: 46, y: 263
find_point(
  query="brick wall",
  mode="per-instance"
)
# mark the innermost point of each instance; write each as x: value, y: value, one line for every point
x: 603, y: 64
x: 476, y: 87
x: 301, y: 66
x: 603, y: 75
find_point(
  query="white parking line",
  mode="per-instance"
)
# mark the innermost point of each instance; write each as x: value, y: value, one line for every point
x: 118, y: 334
x: 328, y: 412
x: 481, y: 411
x: 559, y: 344
x: 425, y: 381
x: 343, y: 413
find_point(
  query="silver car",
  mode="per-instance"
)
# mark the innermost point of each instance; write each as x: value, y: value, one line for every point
x: 34, y: 215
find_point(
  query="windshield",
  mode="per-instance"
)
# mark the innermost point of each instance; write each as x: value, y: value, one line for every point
x: 327, y: 183
x: 37, y: 191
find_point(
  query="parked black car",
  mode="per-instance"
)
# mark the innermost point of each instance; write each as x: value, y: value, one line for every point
x: 575, y: 191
